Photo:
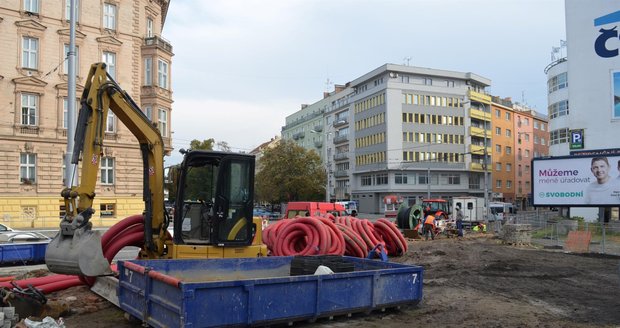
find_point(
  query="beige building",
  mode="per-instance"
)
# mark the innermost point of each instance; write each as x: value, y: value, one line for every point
x: 33, y: 101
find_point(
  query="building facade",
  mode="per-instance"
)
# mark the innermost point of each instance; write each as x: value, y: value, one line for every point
x: 415, y: 133
x: 401, y: 130
x: 584, y: 87
x: 33, y: 99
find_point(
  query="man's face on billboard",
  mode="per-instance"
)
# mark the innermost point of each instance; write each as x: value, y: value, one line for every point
x: 600, y: 169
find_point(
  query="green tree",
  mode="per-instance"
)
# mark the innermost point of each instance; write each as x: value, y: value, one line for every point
x: 200, y: 179
x: 290, y: 173
x: 202, y: 145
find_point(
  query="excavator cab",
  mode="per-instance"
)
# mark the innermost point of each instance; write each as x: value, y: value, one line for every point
x: 213, y: 199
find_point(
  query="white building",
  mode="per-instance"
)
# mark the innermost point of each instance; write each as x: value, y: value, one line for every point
x: 584, y: 88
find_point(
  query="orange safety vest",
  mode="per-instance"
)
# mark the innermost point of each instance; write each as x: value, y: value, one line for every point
x: 430, y: 220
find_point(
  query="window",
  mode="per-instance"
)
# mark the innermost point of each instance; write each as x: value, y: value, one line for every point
x: 65, y: 114
x: 558, y: 109
x: 423, y: 179
x: 149, y: 27
x: 536, y: 125
x: 382, y: 179
x: 507, y: 116
x: 162, y: 74
x: 527, y: 153
x: 400, y: 178
x: 65, y: 65
x: 526, y: 136
x: 366, y: 180
x: 110, y: 59
x: 526, y: 121
x: 498, y: 149
x: 498, y: 113
x: 107, y: 170
x: 27, y: 168
x: 498, y: 166
x: 454, y: 179
x: 148, y: 71
x: 557, y: 82
x: 542, y: 126
x: 111, y: 122
x: 107, y: 210
x: 542, y: 141
x: 559, y: 136
x: 68, y: 10
x: 508, y: 133
x: 30, y: 49
x: 163, y: 122
x: 498, y: 131
x: 29, y: 109
x: 31, y: 6
x: 508, y: 150
x: 498, y: 184
x: 508, y: 184
x: 508, y: 167
x: 109, y: 16
x: 148, y: 111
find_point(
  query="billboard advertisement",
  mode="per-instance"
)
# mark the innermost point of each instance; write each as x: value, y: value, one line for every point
x: 576, y: 181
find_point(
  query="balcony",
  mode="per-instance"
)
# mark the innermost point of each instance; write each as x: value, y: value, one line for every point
x: 477, y: 132
x: 159, y: 43
x: 476, y: 167
x: 478, y: 114
x: 317, y: 128
x: 479, y: 150
x: 29, y: 129
x: 340, y: 139
x: 318, y: 143
x: 341, y: 174
x: 299, y: 135
x: 340, y: 122
x: 341, y: 156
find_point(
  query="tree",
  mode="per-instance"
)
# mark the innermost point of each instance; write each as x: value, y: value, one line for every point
x: 290, y: 173
x: 223, y: 146
x: 202, y: 145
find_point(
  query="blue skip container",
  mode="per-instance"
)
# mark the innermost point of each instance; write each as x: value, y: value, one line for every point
x: 11, y: 253
x: 258, y: 291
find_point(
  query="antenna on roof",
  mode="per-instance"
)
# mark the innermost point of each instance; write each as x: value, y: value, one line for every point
x: 328, y: 84
x: 406, y: 60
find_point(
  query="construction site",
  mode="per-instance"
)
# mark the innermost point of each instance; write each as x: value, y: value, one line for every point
x: 478, y: 280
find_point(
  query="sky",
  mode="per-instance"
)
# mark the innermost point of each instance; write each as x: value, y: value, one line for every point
x: 241, y: 66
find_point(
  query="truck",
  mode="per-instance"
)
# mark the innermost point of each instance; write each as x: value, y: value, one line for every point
x: 212, y: 193
x: 294, y: 209
x: 472, y: 207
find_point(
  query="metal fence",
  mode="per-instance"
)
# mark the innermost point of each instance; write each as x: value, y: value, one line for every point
x: 551, y: 230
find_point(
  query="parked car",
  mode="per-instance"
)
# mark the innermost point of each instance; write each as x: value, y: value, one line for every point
x: 9, y: 235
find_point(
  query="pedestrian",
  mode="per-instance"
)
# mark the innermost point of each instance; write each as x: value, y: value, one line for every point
x: 429, y: 224
x: 459, y: 221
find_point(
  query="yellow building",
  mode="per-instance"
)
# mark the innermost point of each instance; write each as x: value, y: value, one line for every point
x: 33, y: 101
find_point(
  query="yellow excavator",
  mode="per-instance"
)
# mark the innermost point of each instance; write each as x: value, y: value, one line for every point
x: 212, y: 192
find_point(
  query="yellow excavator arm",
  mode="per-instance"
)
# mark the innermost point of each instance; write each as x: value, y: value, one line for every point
x: 77, y: 248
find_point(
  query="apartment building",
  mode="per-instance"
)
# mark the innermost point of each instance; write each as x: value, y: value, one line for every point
x: 519, y: 135
x: 398, y: 130
x: 126, y: 35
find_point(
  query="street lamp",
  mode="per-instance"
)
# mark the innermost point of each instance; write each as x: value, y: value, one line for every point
x: 485, y: 159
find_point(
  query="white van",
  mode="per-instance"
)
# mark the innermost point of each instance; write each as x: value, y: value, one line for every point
x: 501, y: 211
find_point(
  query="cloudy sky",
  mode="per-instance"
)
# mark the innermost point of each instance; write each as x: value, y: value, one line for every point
x: 242, y: 66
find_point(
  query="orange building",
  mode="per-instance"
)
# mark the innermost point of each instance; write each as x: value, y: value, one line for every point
x: 519, y: 135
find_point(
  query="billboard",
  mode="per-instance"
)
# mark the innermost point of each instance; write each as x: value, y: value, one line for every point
x: 590, y: 181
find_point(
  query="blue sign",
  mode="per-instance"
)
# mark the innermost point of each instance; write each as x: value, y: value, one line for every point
x: 576, y: 139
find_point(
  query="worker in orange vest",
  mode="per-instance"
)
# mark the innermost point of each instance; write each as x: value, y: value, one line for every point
x: 429, y: 224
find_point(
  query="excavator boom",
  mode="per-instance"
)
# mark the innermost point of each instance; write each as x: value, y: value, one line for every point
x: 76, y: 249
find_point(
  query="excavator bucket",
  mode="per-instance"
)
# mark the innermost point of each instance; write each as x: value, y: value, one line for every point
x: 78, y: 252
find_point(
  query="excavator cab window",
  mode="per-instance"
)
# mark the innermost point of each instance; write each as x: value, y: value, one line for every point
x: 214, y: 199
x: 234, y: 201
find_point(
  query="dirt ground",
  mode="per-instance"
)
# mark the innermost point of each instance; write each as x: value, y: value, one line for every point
x: 472, y: 282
